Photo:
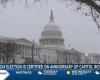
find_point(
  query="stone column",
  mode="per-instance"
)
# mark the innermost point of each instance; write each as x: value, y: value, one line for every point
x: 28, y: 51
x: 24, y: 50
x: 47, y: 41
x: 21, y: 49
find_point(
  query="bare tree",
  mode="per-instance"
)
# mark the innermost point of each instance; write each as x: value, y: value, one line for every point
x: 93, y: 6
x: 7, y: 51
x: 93, y: 3
x: 90, y: 8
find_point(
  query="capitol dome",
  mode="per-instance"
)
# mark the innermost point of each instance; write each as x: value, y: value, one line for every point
x: 52, y: 36
x: 51, y: 26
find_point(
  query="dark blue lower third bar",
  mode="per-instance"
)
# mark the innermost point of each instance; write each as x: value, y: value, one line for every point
x: 50, y: 72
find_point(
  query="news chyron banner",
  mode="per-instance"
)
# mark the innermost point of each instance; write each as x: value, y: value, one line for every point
x: 50, y: 72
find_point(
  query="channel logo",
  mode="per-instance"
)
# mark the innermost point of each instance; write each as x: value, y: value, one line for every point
x: 4, y: 74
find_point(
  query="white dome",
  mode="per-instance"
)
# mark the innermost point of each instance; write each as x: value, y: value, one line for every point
x: 51, y: 26
x: 52, y: 35
x: 51, y: 30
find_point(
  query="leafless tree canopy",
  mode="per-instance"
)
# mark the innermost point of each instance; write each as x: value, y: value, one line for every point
x: 94, y: 9
x: 93, y: 6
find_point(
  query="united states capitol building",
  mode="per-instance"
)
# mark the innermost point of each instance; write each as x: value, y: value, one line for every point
x: 50, y: 49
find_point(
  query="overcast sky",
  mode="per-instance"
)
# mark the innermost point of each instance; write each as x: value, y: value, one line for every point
x: 80, y: 31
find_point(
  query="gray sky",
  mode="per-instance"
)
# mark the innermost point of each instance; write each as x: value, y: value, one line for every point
x: 80, y: 31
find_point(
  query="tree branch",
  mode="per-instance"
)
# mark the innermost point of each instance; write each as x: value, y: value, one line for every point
x: 91, y: 3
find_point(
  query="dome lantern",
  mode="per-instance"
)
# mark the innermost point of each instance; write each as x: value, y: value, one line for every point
x: 51, y: 17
